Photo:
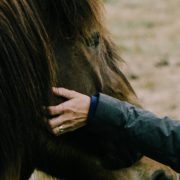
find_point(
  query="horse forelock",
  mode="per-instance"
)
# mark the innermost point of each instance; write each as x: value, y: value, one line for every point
x: 72, y: 18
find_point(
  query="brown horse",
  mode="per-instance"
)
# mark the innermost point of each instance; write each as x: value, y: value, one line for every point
x: 86, y: 61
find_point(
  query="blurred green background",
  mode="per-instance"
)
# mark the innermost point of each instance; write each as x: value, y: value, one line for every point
x: 147, y: 33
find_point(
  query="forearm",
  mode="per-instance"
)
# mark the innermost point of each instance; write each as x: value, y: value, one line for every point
x: 158, y: 138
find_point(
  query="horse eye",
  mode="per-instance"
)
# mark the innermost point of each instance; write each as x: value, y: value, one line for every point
x: 94, y: 40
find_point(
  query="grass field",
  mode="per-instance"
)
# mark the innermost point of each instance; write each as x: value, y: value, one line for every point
x: 148, y: 36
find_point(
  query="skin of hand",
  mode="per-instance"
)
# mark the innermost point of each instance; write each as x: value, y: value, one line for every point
x: 70, y: 115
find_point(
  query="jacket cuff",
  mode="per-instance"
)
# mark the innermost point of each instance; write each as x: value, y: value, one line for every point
x: 92, y: 109
x: 110, y: 111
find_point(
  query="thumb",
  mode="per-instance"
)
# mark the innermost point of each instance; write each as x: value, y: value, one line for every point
x: 64, y: 93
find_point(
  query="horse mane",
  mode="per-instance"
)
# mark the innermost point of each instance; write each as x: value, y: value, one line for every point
x: 26, y: 77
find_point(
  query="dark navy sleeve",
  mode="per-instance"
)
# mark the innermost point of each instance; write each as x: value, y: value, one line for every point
x: 92, y: 109
x: 155, y: 137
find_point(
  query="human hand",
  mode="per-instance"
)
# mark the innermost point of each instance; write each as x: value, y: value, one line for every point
x: 71, y: 114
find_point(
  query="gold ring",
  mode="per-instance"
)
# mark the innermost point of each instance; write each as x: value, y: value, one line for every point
x: 60, y: 129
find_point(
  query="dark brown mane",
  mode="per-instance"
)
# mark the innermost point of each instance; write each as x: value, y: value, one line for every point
x: 26, y: 76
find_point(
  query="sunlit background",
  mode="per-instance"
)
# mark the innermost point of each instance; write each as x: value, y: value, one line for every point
x: 147, y: 33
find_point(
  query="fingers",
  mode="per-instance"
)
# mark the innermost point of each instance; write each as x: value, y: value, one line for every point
x: 71, y: 114
x: 55, y: 122
x: 64, y: 93
x: 68, y: 127
x: 58, y: 130
x: 65, y: 122
x: 62, y: 129
x: 59, y: 120
x: 56, y: 110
